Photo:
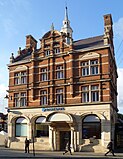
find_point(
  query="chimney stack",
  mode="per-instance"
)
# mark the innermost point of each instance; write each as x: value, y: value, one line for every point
x: 30, y: 42
x: 108, y: 31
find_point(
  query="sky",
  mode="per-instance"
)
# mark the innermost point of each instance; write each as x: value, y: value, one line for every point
x: 19, y: 18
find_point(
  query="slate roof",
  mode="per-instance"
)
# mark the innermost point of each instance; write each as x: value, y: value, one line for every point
x: 89, y: 43
x: 83, y: 44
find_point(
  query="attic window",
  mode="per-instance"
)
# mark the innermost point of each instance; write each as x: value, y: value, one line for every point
x: 47, y: 52
x: 57, y: 50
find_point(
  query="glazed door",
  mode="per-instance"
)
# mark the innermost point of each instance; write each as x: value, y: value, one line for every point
x: 64, y: 137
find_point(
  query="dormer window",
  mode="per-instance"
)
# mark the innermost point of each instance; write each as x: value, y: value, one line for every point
x: 57, y: 50
x: 47, y: 52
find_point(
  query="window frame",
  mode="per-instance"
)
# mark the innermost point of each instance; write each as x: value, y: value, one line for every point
x: 44, y: 74
x: 85, y: 94
x: 45, y: 131
x: 89, y: 67
x: 20, y: 99
x: 47, y: 53
x: 91, y: 129
x: 56, y: 50
x: 94, y: 93
x: 21, y: 125
x: 59, y: 96
x: 43, y: 97
x: 90, y: 93
x: 20, y: 77
x: 59, y: 72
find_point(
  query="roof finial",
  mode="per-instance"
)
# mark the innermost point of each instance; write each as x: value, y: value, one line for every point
x: 52, y: 27
x: 66, y: 29
x: 66, y: 13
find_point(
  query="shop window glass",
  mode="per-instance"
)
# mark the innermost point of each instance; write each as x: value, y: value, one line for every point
x: 91, y: 127
x: 41, y: 128
x: 21, y: 127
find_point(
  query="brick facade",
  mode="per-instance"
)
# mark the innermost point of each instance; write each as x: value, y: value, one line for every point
x: 79, y: 76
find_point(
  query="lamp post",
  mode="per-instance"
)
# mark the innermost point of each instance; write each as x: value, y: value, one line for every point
x: 33, y: 143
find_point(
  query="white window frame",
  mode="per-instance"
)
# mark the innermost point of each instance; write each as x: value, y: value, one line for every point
x: 21, y: 127
x: 43, y: 97
x: 20, y: 99
x: 89, y: 67
x: 85, y: 94
x: 59, y: 72
x: 94, y: 93
x: 90, y: 93
x: 47, y: 52
x: 57, y: 50
x: 20, y: 77
x: 44, y: 76
x: 94, y: 67
x: 59, y: 96
x: 23, y: 99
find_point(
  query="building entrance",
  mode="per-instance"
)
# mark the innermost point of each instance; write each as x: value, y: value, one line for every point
x: 64, y: 137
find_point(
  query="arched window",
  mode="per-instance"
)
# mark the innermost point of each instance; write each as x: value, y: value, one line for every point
x: 41, y: 128
x: 91, y: 127
x: 21, y: 127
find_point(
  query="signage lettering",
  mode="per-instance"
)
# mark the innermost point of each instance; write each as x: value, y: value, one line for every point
x: 53, y: 109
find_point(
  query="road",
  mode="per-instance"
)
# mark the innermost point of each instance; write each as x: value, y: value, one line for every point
x: 17, y: 154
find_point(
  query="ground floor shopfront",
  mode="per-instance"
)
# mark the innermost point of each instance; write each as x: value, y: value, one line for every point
x: 86, y: 129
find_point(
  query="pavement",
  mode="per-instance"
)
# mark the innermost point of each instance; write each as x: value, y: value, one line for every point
x: 16, y: 154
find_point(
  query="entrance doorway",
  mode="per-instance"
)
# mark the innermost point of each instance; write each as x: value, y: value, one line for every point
x: 64, y: 137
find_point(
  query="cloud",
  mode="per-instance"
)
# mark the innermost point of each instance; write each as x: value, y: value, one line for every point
x: 120, y: 89
x: 118, y: 28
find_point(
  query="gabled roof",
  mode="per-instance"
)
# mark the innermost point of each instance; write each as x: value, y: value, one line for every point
x: 83, y: 44
x: 25, y: 54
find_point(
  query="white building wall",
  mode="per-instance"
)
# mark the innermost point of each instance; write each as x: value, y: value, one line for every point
x: 52, y: 143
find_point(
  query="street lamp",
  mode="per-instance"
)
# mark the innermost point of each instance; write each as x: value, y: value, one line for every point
x: 33, y: 142
x: 8, y: 97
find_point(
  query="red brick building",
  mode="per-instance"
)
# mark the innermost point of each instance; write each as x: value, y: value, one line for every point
x: 64, y: 90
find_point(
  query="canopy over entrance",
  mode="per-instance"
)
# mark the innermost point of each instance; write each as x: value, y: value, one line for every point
x: 59, y: 117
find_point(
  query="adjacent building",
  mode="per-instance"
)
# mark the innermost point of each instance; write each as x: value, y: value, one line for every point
x: 64, y: 90
x: 3, y: 122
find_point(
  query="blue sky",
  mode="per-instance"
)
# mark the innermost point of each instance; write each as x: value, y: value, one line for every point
x: 19, y: 18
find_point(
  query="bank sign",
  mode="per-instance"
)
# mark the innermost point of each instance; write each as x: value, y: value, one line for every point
x: 53, y: 109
